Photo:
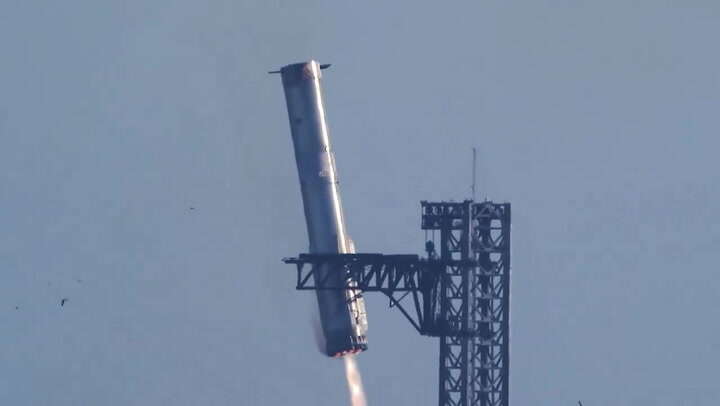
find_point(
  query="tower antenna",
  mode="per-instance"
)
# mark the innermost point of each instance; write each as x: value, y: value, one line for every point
x: 474, y: 171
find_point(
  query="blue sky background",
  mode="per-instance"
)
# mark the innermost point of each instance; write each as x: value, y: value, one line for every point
x: 597, y: 120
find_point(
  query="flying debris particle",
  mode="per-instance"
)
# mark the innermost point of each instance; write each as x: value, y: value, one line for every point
x: 63, y: 301
x: 17, y: 307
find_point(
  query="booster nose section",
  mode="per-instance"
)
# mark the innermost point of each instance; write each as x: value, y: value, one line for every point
x: 342, y: 312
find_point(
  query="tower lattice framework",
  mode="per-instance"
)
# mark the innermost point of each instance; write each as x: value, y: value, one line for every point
x: 473, y: 300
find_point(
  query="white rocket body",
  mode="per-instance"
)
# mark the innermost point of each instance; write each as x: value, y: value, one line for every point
x: 342, y: 312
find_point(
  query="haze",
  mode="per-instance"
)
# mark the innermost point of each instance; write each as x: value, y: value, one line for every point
x: 147, y: 175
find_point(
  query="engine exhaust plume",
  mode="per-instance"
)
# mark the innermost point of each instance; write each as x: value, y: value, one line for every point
x: 352, y: 373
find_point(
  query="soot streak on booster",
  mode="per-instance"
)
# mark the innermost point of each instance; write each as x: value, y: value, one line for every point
x: 342, y: 312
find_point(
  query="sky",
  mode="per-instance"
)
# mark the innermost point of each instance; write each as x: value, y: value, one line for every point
x: 147, y: 175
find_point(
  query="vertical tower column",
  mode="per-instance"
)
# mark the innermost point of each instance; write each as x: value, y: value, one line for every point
x: 491, y: 298
x: 473, y: 301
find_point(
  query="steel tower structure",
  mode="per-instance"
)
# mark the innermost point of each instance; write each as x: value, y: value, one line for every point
x: 460, y: 294
x: 474, y: 292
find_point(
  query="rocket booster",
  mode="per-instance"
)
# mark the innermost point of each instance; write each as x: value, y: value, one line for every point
x: 342, y: 312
